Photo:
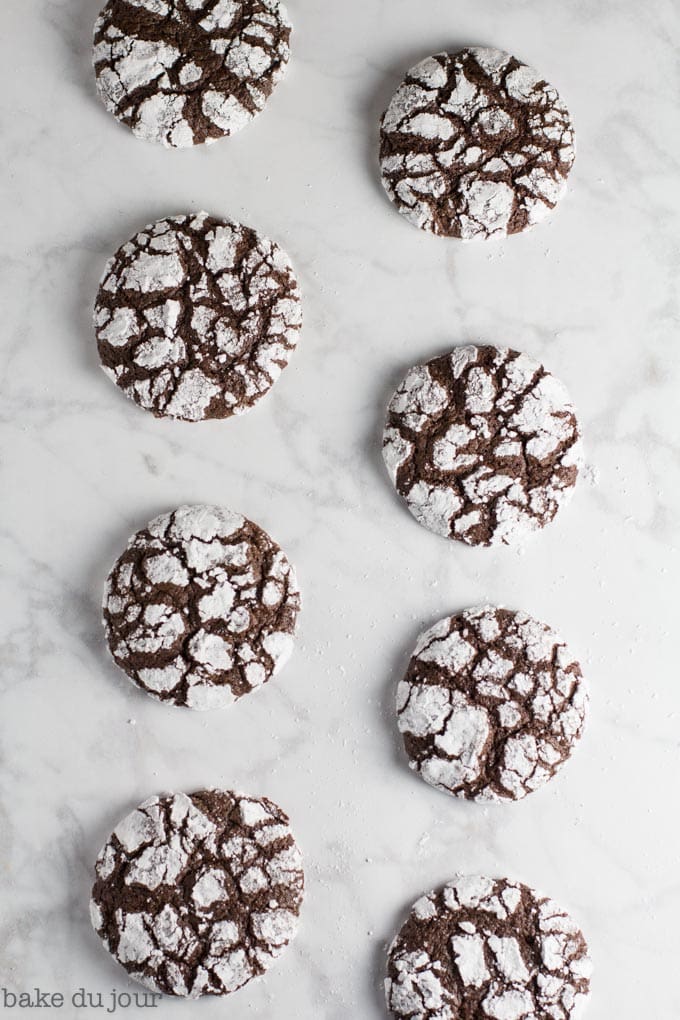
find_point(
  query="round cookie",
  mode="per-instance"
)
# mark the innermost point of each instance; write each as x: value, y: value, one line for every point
x: 483, y: 444
x: 196, y: 317
x: 196, y: 895
x: 487, y: 949
x: 475, y: 144
x: 201, y: 608
x: 183, y: 72
x: 491, y: 706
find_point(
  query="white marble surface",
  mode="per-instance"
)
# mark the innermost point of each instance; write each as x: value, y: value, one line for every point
x: 593, y: 292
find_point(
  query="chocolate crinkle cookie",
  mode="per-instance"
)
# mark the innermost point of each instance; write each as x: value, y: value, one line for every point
x: 183, y: 72
x: 483, y: 444
x: 475, y: 144
x: 491, y: 706
x: 201, y: 608
x: 487, y: 949
x: 196, y: 895
x: 196, y: 317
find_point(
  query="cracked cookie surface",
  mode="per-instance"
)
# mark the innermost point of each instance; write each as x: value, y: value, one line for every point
x: 183, y: 72
x: 196, y: 317
x: 487, y: 949
x: 491, y: 706
x: 475, y: 145
x: 198, y: 894
x: 483, y: 444
x: 201, y: 608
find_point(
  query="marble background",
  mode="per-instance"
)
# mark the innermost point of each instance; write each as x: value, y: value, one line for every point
x: 593, y: 292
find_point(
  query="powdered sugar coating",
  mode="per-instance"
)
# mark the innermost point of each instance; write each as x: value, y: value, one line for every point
x: 475, y: 144
x: 183, y: 72
x: 201, y: 608
x: 492, y: 705
x: 196, y: 895
x: 483, y: 444
x: 196, y: 317
x: 487, y: 949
